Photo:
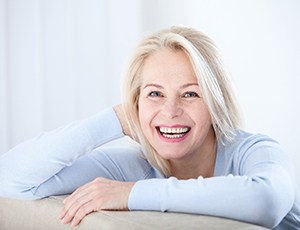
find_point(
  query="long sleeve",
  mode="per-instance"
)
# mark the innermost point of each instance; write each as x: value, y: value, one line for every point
x: 25, y: 167
x: 252, y: 183
x: 119, y: 160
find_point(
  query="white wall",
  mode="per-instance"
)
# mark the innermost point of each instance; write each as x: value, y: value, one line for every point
x: 61, y: 60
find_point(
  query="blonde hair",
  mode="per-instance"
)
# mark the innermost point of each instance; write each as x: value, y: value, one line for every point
x: 213, y: 79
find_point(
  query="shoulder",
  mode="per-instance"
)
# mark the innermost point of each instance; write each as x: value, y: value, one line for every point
x: 245, y: 141
x: 250, y: 149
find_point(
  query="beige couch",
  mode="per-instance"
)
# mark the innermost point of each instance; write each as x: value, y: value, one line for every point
x: 43, y: 215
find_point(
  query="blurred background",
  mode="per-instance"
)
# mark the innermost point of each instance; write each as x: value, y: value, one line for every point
x: 61, y: 60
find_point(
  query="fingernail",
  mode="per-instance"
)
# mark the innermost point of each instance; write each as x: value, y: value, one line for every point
x: 64, y: 220
x: 61, y: 215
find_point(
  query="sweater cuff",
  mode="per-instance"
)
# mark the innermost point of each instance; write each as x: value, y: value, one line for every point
x: 146, y: 195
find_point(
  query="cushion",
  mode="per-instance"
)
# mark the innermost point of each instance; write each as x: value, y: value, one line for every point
x: 43, y: 214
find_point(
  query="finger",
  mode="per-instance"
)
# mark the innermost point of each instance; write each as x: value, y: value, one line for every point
x: 82, y: 212
x: 79, y: 198
x: 62, y: 214
x: 65, y: 209
x: 72, y: 208
x: 79, y: 190
x: 75, y: 198
x: 73, y: 205
x: 75, y: 193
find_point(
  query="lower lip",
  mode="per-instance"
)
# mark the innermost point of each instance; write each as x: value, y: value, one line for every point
x: 172, y: 140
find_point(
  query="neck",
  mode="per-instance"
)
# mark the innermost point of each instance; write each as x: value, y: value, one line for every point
x: 201, y: 163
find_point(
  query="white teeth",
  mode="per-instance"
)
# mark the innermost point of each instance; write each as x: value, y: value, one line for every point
x: 173, y: 132
x: 166, y: 130
x: 173, y: 135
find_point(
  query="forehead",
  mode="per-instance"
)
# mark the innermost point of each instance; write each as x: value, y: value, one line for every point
x: 168, y: 66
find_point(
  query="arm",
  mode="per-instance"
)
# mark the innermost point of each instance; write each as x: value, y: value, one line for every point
x: 121, y: 116
x: 110, y: 192
x: 24, y: 168
x: 260, y: 191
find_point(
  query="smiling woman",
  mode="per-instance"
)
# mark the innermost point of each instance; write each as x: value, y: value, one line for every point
x: 191, y: 156
x: 182, y: 61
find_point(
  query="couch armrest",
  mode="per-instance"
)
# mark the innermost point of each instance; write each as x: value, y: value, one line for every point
x: 43, y: 214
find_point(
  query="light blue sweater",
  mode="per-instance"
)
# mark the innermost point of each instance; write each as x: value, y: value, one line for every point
x: 253, y: 179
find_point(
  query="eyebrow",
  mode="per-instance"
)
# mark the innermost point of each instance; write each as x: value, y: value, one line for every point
x: 161, y: 87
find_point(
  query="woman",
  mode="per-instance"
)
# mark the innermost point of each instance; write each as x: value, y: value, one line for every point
x: 192, y: 155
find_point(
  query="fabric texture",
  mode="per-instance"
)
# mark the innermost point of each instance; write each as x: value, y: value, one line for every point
x: 43, y: 214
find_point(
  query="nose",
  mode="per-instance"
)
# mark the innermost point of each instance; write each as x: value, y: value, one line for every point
x: 172, y: 108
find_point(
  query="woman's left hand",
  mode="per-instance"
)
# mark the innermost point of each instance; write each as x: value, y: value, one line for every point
x: 100, y: 194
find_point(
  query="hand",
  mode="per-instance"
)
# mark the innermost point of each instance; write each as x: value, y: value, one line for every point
x: 100, y: 194
x: 121, y: 116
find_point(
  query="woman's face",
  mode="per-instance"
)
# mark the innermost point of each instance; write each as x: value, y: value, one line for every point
x: 172, y: 113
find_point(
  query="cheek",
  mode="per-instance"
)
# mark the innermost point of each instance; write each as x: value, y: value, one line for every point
x: 144, y: 113
x: 205, y: 120
x: 147, y: 115
x: 202, y: 117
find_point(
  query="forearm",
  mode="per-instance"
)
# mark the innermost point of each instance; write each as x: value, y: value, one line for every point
x: 250, y: 199
x: 33, y: 162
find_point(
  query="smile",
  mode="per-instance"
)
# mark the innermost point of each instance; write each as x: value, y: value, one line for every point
x: 174, y: 132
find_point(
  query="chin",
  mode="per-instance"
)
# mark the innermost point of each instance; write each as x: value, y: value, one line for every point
x: 170, y: 155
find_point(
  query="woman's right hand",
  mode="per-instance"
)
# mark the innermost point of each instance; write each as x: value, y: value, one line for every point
x: 99, y: 194
x: 121, y: 116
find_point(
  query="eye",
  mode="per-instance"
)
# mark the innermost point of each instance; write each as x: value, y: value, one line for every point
x: 155, y: 94
x: 190, y: 94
